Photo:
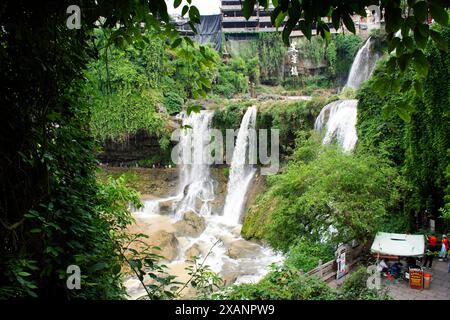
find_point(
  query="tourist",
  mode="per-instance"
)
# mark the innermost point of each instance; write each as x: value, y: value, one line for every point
x: 431, y: 249
x: 382, y: 266
x: 444, y: 248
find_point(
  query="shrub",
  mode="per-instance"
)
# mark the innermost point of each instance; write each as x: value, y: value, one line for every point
x: 355, y: 287
x: 305, y: 255
x: 173, y: 102
x: 280, y: 284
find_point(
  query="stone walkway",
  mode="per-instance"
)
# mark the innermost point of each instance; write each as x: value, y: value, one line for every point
x: 439, y: 289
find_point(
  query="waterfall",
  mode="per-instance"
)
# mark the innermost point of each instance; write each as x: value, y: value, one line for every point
x: 363, y: 65
x: 241, y: 170
x: 338, y: 118
x: 196, y: 188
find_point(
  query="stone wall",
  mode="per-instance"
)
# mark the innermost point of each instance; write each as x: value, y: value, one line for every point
x: 141, y: 150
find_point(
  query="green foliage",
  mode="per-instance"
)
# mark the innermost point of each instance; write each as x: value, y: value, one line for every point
x: 419, y: 146
x: 347, y: 46
x: 129, y: 83
x: 233, y: 77
x: 288, y: 118
x: 355, y: 287
x: 173, y: 102
x: 228, y: 118
x: 312, y: 50
x: 202, y: 278
x: 148, y: 268
x: 305, y: 255
x: 271, y: 53
x: 331, y: 57
x: 194, y: 69
x: 323, y: 187
x: 280, y: 284
x: 397, y: 16
x: 53, y: 213
x: 284, y: 283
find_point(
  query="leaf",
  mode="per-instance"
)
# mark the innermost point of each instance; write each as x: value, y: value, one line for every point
x: 336, y: 19
x: 388, y: 110
x: 348, y: 22
x: 403, y: 61
x: 403, y: 111
x: 176, y: 3
x: 287, y: 30
x: 393, y: 43
x: 184, y: 10
x: 393, y: 18
x: 279, y: 20
x: 421, y: 41
x: 381, y: 85
x: 409, y: 43
x: 248, y: 7
x: 274, y: 15
x: 440, y: 42
x: 176, y: 43
x: 391, y: 64
x: 421, y: 63
x: 420, y: 11
x: 305, y: 28
x: 194, y: 15
x: 418, y: 87
x: 193, y: 108
x: 439, y: 13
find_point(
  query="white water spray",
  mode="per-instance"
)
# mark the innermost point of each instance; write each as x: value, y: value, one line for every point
x: 196, y: 188
x: 363, y: 65
x: 338, y: 119
x: 241, y: 169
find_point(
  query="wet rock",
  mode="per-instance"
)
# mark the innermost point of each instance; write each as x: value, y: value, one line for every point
x: 229, y: 274
x: 257, y: 187
x: 165, y: 207
x: 241, y: 249
x: 192, y: 252
x: 229, y: 278
x: 192, y: 225
x: 166, y: 241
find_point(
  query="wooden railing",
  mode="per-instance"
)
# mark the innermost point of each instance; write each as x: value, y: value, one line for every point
x: 327, y: 271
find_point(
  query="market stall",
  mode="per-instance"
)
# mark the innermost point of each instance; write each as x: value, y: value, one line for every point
x: 404, y: 249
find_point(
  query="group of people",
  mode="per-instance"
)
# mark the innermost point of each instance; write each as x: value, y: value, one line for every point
x: 434, y: 250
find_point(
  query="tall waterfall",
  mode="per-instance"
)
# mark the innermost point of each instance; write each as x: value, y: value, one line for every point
x: 363, y: 65
x: 241, y: 170
x: 338, y: 118
x: 196, y: 188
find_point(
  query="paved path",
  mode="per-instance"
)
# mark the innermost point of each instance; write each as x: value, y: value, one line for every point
x: 439, y: 290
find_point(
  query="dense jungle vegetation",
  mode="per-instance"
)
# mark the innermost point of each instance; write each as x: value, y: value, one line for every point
x: 66, y: 91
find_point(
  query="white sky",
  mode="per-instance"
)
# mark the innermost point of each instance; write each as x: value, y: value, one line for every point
x: 206, y: 7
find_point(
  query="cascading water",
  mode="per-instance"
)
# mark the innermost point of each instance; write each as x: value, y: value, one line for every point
x: 196, y: 188
x: 234, y: 256
x: 338, y: 118
x: 363, y: 65
x: 241, y: 170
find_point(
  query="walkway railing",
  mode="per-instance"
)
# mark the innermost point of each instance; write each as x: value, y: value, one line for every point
x: 327, y: 271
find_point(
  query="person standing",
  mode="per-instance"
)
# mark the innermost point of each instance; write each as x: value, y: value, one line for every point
x: 444, y: 248
x: 431, y: 249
